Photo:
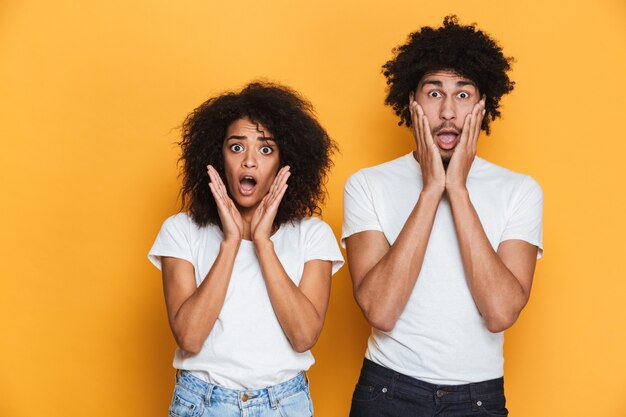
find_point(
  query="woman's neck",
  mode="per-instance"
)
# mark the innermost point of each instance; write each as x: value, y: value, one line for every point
x: 246, y: 218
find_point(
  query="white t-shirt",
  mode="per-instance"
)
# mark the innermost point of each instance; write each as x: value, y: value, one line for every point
x: 247, y: 348
x: 440, y: 337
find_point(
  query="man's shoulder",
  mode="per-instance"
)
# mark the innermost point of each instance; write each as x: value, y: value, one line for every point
x: 384, y: 171
x: 484, y: 168
x: 489, y: 173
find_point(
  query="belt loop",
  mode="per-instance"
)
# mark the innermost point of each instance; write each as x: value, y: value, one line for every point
x: 177, y: 376
x: 306, y: 377
x: 393, y: 382
x: 240, y: 401
x: 209, y: 392
x: 273, y: 400
x: 474, y: 397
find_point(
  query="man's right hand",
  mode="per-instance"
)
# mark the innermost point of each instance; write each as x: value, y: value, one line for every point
x: 427, y: 153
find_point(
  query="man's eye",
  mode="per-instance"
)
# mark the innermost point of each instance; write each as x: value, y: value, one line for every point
x: 236, y: 148
x: 434, y: 94
x: 266, y: 150
x: 463, y: 95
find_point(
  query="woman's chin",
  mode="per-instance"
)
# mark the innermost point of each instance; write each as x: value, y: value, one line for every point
x: 246, y: 203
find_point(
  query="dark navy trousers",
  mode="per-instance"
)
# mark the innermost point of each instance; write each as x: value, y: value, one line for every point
x: 382, y: 392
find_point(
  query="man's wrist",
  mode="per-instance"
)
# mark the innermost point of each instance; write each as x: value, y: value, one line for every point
x: 457, y: 192
x: 432, y: 192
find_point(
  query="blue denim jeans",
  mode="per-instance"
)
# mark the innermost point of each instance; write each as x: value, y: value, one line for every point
x: 195, y: 398
x: 384, y: 392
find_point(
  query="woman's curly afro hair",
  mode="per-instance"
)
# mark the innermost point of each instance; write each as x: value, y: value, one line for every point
x: 462, y: 49
x: 303, y: 143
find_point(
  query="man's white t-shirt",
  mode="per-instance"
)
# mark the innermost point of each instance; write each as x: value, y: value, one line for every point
x: 440, y: 337
x: 247, y: 348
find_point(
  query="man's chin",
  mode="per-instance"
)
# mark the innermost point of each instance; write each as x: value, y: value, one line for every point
x: 446, y: 161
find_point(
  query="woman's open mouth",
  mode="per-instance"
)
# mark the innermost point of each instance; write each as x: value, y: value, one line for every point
x: 247, y: 185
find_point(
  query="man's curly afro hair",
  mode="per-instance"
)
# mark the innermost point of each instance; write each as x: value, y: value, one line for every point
x: 303, y: 144
x: 462, y: 49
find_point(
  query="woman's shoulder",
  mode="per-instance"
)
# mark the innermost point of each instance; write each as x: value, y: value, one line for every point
x: 184, y: 222
x: 307, y: 227
x: 309, y: 223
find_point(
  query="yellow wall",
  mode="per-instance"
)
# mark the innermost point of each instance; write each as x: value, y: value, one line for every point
x: 91, y: 94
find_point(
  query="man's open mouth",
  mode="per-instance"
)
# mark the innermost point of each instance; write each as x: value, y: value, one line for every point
x: 447, y: 138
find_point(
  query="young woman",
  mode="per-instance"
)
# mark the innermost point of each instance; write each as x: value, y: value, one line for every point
x: 246, y: 269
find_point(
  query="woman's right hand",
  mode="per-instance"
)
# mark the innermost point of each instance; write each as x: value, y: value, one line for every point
x: 232, y: 224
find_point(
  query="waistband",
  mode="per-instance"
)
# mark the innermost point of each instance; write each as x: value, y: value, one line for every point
x: 397, y: 381
x: 243, y: 398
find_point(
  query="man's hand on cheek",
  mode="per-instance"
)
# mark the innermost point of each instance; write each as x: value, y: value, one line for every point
x: 427, y: 154
x: 465, y: 151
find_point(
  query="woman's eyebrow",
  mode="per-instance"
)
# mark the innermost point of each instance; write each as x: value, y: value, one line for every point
x: 266, y: 138
x: 236, y: 137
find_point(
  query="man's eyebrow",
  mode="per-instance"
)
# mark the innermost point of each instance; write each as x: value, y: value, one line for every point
x: 433, y: 82
x: 463, y: 83
x: 438, y: 83
x: 260, y: 138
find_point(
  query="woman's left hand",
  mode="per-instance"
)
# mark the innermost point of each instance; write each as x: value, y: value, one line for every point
x: 263, y: 218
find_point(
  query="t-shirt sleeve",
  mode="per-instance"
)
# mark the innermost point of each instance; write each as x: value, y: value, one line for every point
x: 358, y: 208
x: 173, y: 240
x: 525, y: 222
x: 321, y: 244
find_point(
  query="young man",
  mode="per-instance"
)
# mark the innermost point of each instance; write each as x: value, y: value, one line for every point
x: 441, y: 244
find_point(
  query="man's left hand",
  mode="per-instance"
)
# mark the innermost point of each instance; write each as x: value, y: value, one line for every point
x: 465, y: 151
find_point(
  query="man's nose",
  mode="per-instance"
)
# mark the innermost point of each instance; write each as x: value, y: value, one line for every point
x: 448, y: 110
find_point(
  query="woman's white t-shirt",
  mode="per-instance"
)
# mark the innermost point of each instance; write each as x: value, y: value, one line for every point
x: 247, y: 348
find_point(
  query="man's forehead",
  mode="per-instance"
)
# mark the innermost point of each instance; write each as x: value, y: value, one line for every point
x: 445, y: 77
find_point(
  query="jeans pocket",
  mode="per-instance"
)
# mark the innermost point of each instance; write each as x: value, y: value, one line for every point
x: 368, y: 391
x: 493, y: 407
x: 185, y: 403
x: 297, y: 405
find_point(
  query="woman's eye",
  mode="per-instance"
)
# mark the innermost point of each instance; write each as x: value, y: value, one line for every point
x: 236, y: 148
x: 266, y: 150
x: 434, y: 94
x: 463, y: 95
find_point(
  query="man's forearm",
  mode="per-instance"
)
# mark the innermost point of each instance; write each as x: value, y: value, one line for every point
x: 496, y: 291
x: 384, y: 291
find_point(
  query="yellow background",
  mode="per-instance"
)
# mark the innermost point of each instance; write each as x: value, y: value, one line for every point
x: 91, y: 97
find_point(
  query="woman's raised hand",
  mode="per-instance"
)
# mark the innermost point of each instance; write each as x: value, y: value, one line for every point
x: 232, y: 224
x: 263, y: 218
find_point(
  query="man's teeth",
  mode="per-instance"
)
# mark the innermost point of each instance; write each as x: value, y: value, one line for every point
x: 447, y: 137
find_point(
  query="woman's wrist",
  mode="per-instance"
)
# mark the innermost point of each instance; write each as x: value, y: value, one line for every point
x: 263, y: 243
x: 231, y: 243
